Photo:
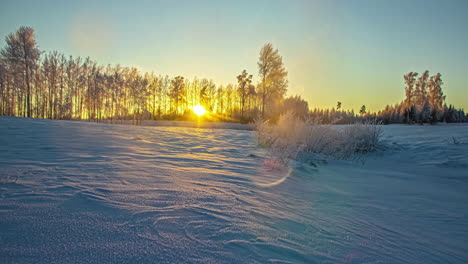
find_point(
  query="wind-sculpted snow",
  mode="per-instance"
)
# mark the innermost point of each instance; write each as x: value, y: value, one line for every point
x: 76, y: 192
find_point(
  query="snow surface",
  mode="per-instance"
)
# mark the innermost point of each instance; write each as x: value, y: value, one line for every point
x: 171, y: 123
x: 77, y: 192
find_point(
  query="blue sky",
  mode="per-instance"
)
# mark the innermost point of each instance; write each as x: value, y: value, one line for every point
x: 355, y: 52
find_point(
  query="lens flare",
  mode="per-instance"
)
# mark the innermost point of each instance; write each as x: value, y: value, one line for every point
x: 272, y: 173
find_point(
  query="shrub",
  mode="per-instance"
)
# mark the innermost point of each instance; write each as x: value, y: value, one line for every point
x: 292, y: 135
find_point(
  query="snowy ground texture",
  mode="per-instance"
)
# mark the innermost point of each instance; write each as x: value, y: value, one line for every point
x: 76, y: 192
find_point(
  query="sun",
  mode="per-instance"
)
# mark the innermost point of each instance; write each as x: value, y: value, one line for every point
x: 199, y: 110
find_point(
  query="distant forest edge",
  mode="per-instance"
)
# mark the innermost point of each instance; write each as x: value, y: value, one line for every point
x: 51, y: 85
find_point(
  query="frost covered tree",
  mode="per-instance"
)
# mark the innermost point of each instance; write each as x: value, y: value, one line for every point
x: 3, y: 90
x: 211, y: 95
x: 204, y: 97
x: 436, y: 97
x: 154, y: 89
x: 273, y: 77
x: 207, y: 94
x: 410, y: 80
x: 177, y: 93
x: 424, y: 102
x: 137, y: 85
x: 453, y: 115
x: 243, y: 84
x: 22, y: 55
x: 220, y: 99
x: 420, y: 92
x: 52, y: 85
x: 296, y: 105
x: 251, y: 101
x: 425, y: 113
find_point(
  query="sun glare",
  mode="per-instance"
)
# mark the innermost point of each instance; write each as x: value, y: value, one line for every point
x: 199, y: 110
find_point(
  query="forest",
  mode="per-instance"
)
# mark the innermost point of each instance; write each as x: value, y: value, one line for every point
x: 52, y: 85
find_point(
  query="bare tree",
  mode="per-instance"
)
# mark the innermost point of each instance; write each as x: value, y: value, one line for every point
x: 177, y: 93
x: 244, y: 80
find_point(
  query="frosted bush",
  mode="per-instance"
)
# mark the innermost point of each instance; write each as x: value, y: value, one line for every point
x: 285, y: 139
x: 359, y: 138
x: 292, y: 135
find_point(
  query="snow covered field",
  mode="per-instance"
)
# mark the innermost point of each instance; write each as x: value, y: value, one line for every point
x: 76, y: 192
x: 171, y: 123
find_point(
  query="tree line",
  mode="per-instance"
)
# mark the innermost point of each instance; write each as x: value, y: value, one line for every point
x: 51, y: 85
x: 424, y: 103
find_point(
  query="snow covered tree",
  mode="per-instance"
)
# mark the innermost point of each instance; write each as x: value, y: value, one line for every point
x: 425, y: 113
x: 436, y: 97
x: 6, y: 92
x: 420, y: 93
x: 22, y: 55
x: 273, y: 77
x: 297, y: 105
x: 52, y: 85
x: 410, y: 80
